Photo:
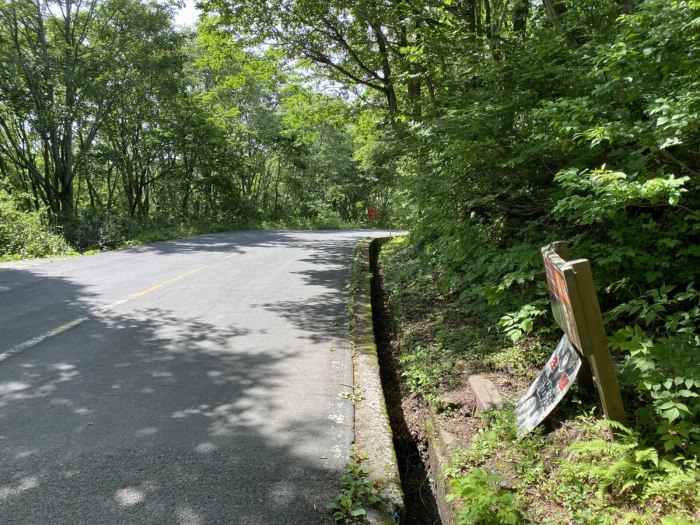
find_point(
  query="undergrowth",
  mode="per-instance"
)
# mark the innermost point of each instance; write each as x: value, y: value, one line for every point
x: 440, y: 337
x: 567, y: 471
x: 574, y: 475
x: 25, y: 235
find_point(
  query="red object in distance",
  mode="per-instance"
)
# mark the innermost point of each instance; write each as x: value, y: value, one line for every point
x: 372, y: 213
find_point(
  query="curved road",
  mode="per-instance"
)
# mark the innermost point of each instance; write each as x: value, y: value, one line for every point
x: 191, y: 382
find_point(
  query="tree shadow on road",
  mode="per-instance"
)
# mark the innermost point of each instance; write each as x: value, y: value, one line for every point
x: 239, y: 241
x: 321, y: 315
x: 143, y: 416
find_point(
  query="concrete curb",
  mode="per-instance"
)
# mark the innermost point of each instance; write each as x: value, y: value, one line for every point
x: 373, y: 435
x: 439, y: 453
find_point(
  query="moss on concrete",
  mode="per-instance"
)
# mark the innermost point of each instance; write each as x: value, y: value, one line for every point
x: 373, y: 435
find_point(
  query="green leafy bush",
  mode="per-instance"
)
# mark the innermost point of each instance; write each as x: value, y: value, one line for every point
x: 423, y: 371
x: 598, y: 195
x: 485, y: 502
x: 666, y: 372
x: 626, y: 469
x: 25, y: 234
x: 91, y: 229
x: 520, y: 323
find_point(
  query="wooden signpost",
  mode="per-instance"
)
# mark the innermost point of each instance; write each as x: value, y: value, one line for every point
x: 577, y: 312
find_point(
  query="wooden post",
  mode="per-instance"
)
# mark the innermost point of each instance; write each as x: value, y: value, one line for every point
x: 576, y: 310
x: 560, y: 248
x: 599, y: 357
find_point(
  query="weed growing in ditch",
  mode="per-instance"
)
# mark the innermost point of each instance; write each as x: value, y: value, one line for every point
x: 357, y: 495
x: 422, y: 372
x: 355, y: 395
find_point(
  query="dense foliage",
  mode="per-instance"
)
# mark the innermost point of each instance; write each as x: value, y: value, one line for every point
x: 566, y: 471
x: 584, y: 130
x: 25, y: 234
x: 113, y: 122
x: 581, y: 125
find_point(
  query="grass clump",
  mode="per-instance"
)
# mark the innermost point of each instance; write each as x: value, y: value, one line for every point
x: 575, y: 474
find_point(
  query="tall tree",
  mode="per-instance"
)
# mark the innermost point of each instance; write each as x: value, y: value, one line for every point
x: 357, y: 43
x: 66, y: 64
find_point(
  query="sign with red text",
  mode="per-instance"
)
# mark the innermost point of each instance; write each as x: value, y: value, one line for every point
x: 560, y: 297
x: 576, y: 309
x: 549, y: 387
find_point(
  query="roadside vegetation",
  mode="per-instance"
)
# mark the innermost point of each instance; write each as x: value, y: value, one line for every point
x: 25, y: 235
x: 358, y: 493
x: 567, y: 471
x: 582, y: 130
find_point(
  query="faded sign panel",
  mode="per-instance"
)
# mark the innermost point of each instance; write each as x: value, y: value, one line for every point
x: 549, y: 387
x: 560, y: 297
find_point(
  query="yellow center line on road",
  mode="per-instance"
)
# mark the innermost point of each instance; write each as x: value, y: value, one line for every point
x: 164, y: 283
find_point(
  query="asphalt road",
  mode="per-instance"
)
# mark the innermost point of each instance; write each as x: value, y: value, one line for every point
x: 191, y: 382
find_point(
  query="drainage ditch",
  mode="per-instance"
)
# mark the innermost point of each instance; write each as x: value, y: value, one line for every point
x: 420, y: 505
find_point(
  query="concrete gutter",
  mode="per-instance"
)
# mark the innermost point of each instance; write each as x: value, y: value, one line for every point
x: 373, y: 435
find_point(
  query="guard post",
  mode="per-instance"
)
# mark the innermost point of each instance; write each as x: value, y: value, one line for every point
x: 576, y: 310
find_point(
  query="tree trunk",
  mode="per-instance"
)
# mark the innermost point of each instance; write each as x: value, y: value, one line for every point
x: 471, y: 16
x: 555, y: 10
x: 387, y: 76
x: 413, y: 84
x: 489, y: 26
x: 521, y: 10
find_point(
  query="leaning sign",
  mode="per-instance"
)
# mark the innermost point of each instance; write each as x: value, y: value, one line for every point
x: 576, y: 310
x: 549, y: 388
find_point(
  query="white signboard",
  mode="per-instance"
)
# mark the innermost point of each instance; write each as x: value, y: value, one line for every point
x: 549, y: 387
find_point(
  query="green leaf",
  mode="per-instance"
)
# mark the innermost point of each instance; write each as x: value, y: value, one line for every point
x: 672, y: 414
